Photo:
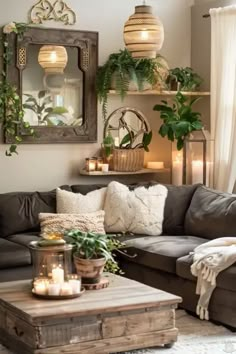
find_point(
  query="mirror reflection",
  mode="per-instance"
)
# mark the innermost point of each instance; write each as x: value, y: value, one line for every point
x: 52, y: 86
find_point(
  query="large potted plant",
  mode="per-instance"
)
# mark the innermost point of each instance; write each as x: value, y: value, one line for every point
x: 92, y: 252
x: 179, y: 119
x: 120, y: 70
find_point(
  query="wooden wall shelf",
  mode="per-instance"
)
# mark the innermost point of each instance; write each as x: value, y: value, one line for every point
x: 163, y: 93
x: 83, y: 172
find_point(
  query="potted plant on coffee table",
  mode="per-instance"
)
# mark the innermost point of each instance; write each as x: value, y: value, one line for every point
x: 93, y: 252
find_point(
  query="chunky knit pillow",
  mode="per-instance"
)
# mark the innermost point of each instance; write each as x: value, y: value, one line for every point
x: 60, y: 223
x: 140, y: 211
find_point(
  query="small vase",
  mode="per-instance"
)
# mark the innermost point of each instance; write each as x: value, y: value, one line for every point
x: 90, y: 270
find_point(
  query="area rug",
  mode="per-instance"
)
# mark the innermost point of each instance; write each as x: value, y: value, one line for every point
x: 195, y: 337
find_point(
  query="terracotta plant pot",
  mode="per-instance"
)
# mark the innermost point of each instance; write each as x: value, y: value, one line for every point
x: 90, y: 270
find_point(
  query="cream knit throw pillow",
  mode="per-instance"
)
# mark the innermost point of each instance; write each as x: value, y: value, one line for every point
x: 140, y: 211
x: 76, y: 203
x: 60, y: 223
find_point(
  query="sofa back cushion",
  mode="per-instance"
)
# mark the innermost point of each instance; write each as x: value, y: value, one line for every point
x: 176, y: 205
x: 211, y: 214
x: 19, y: 210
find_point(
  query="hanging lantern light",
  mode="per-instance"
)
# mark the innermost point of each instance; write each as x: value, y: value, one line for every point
x: 143, y: 33
x: 52, y: 58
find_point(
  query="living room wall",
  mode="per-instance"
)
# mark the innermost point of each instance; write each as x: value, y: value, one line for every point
x: 43, y: 167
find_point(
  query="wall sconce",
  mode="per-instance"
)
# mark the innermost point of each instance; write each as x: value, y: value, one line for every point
x: 52, y: 58
x: 143, y: 33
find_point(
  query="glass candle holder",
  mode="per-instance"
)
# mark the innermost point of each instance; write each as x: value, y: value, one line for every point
x: 91, y: 164
x: 51, y: 265
x: 99, y: 163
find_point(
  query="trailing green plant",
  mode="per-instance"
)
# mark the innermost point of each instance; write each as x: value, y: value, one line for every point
x: 11, y: 112
x: 187, y: 78
x: 121, y: 68
x: 179, y: 119
x: 89, y: 245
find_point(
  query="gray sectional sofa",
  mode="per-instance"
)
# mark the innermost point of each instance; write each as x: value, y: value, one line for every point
x: 193, y: 215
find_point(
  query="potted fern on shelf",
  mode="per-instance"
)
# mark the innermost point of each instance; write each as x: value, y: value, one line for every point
x: 122, y: 72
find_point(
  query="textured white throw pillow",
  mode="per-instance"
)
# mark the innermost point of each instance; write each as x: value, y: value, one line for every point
x: 140, y: 211
x: 76, y: 203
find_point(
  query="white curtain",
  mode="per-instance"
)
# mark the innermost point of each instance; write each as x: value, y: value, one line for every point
x: 223, y: 95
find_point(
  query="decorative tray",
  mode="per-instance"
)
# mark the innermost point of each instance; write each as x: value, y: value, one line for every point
x: 59, y: 297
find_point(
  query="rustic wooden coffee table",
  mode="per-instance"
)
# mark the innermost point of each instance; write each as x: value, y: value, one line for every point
x: 127, y: 315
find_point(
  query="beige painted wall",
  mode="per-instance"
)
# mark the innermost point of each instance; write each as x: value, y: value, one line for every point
x: 43, y: 167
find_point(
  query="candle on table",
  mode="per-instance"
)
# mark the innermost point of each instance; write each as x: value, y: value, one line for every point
x: 156, y: 165
x: 58, y: 275
x: 75, y: 285
x: 41, y: 287
x: 92, y: 166
x: 177, y: 170
x: 66, y: 289
x: 197, y: 171
x: 54, y: 289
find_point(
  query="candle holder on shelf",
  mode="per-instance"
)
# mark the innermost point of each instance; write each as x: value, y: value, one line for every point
x: 91, y: 164
x: 194, y: 164
x: 99, y: 163
x: 52, y: 271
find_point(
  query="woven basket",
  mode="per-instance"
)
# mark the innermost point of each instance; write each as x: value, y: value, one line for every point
x: 128, y: 160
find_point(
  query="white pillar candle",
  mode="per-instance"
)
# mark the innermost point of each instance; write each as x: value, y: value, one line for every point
x: 157, y: 165
x: 92, y: 166
x: 75, y: 285
x: 105, y: 167
x: 197, y: 171
x: 41, y: 287
x: 58, y: 275
x: 54, y: 289
x: 177, y: 172
x: 66, y: 289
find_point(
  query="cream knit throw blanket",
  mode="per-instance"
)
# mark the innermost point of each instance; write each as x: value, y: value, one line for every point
x: 209, y: 259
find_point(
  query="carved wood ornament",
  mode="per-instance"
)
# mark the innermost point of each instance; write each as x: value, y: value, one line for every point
x: 44, y: 10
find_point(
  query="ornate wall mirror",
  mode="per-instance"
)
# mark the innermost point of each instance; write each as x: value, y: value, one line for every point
x: 54, y: 71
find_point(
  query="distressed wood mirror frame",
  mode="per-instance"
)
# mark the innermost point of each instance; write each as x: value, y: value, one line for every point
x: 87, y: 44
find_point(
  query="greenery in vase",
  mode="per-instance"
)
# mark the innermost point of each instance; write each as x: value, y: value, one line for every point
x: 122, y: 68
x: 179, y: 119
x: 11, y: 112
x: 186, y: 77
x: 89, y: 245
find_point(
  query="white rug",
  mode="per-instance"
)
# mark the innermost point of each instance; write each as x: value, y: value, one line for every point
x: 195, y: 337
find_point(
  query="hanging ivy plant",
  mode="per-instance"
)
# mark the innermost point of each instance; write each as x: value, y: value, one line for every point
x: 11, y: 112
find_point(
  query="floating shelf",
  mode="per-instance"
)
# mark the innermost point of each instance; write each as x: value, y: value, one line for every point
x: 163, y: 93
x: 116, y: 173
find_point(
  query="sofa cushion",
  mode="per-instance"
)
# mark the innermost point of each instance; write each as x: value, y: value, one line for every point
x: 211, y: 214
x: 13, y: 254
x: 177, y: 203
x: 24, y: 239
x: 140, y: 211
x: 161, y: 252
x: 19, y: 210
x: 225, y: 279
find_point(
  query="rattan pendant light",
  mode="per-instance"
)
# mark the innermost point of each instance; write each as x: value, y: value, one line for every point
x: 53, y: 58
x: 143, y: 33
